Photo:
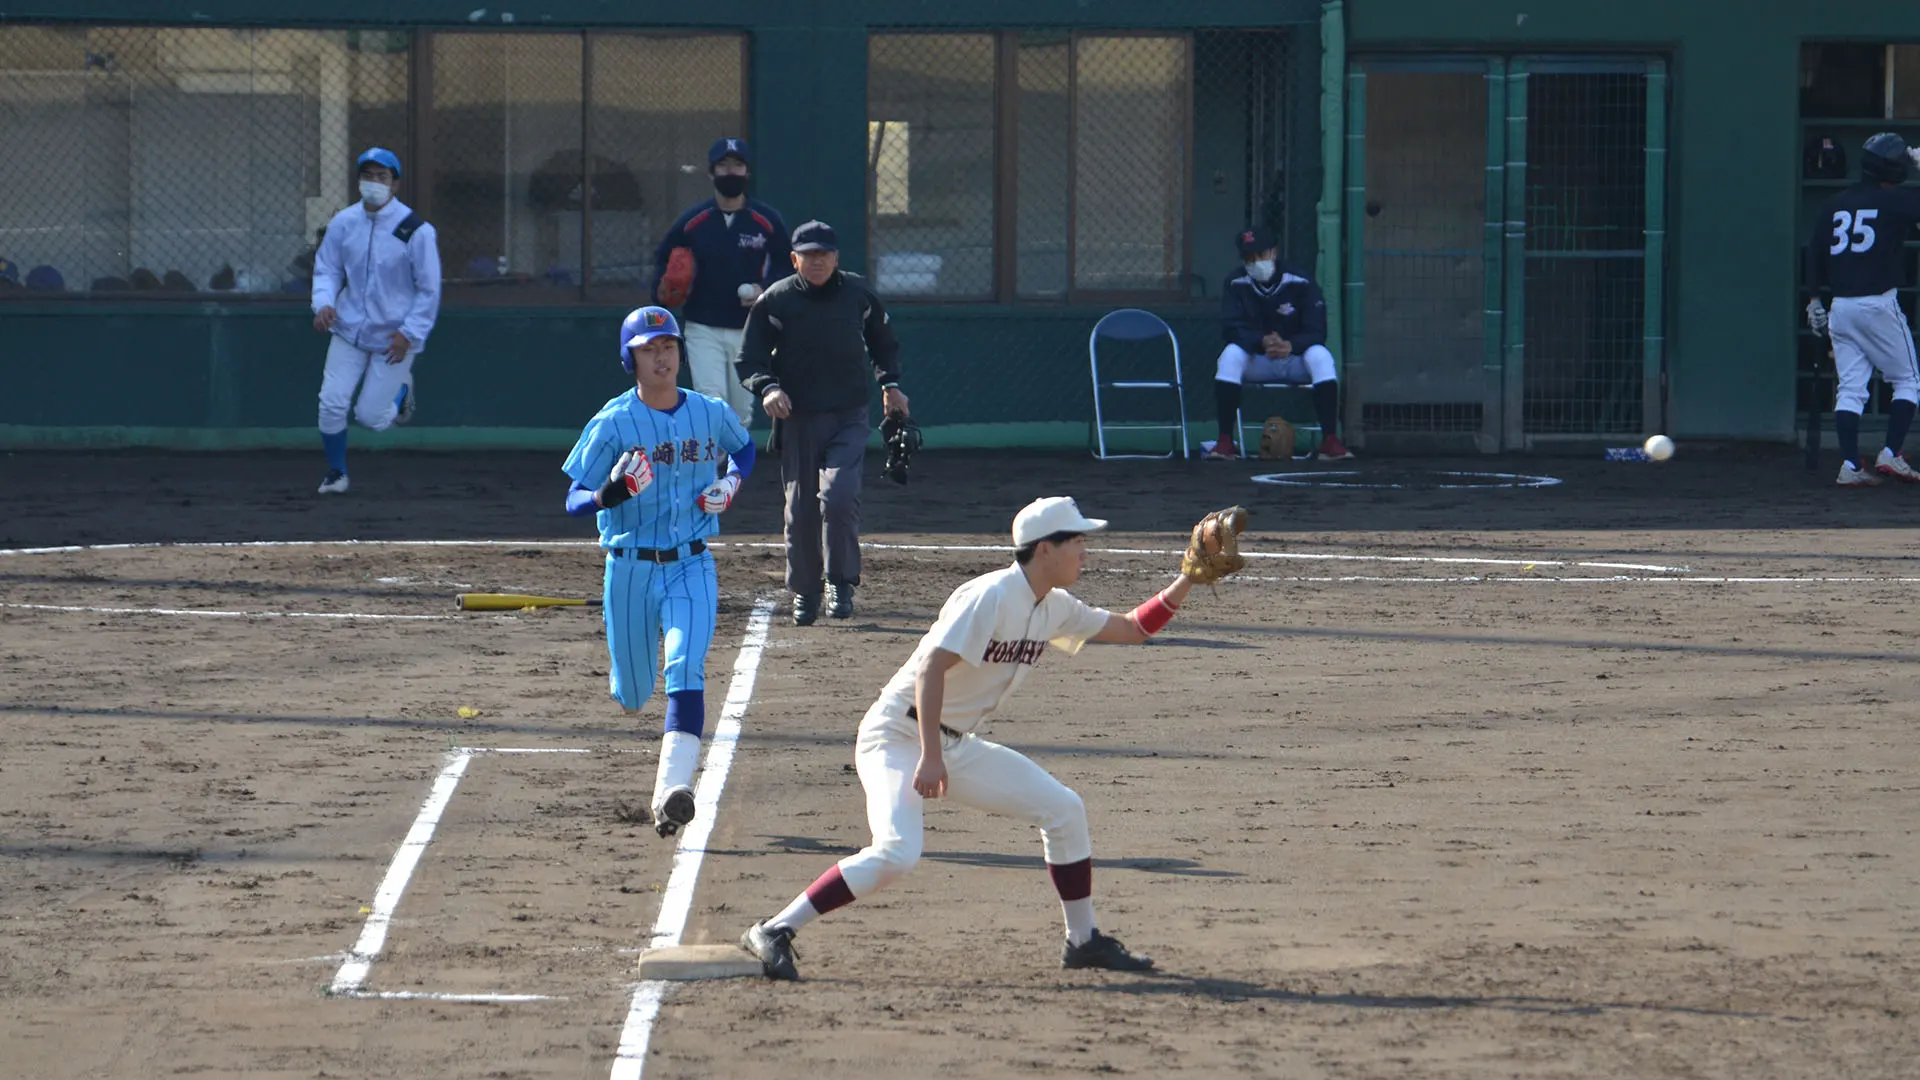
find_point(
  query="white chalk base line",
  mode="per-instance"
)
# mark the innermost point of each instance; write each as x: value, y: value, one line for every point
x: 635, y: 1035
x: 350, y: 980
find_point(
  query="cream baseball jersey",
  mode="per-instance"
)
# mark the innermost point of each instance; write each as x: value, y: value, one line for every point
x: 999, y: 632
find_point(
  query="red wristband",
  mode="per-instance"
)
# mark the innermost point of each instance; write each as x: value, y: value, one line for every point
x: 1153, y: 616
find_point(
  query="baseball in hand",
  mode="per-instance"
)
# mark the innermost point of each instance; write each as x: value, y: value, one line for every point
x: 1659, y: 448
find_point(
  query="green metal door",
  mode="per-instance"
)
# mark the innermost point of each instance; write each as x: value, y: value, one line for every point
x: 1422, y: 217
x: 1506, y: 249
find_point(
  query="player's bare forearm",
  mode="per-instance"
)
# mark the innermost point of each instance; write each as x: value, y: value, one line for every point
x: 1146, y: 620
x: 930, y: 695
x: 929, y: 690
x: 1176, y: 593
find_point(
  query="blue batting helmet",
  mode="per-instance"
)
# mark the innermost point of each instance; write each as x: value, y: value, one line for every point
x: 378, y: 156
x: 643, y: 325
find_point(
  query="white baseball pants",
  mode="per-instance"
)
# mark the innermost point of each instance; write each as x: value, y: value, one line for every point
x: 711, y: 351
x: 379, y: 383
x: 1237, y: 365
x: 980, y: 774
x: 1870, y: 333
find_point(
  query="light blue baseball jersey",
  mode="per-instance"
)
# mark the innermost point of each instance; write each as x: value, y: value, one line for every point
x: 685, y: 445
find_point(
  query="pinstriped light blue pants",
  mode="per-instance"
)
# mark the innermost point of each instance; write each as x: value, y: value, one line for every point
x: 654, y: 608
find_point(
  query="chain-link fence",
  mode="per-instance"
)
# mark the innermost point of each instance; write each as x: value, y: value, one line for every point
x: 180, y: 161
x: 1586, y: 258
x: 1047, y: 165
x: 164, y: 161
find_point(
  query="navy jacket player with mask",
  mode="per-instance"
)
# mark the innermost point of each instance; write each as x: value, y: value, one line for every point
x: 1274, y: 320
x: 1858, y: 254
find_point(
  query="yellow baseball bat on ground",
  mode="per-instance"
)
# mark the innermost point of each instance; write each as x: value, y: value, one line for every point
x: 495, y: 601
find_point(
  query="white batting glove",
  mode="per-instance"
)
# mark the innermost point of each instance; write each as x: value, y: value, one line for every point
x: 634, y: 470
x: 1914, y: 153
x: 719, y: 494
x: 1817, y: 316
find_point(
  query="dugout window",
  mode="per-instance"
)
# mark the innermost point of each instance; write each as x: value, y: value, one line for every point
x: 548, y: 162
x: 556, y: 161
x: 1053, y: 165
x: 137, y: 116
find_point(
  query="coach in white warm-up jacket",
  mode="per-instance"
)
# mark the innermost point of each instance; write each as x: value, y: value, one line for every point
x: 376, y: 289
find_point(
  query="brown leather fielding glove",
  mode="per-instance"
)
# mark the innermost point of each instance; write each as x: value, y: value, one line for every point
x: 1213, y: 552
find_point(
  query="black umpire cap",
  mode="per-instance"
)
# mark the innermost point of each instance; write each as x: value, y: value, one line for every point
x: 814, y: 236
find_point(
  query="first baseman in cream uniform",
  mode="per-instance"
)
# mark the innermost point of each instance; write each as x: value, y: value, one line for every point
x: 925, y: 737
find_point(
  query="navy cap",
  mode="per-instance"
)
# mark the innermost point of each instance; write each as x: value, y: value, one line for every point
x: 9, y: 271
x: 814, y: 236
x: 1255, y: 240
x: 722, y: 148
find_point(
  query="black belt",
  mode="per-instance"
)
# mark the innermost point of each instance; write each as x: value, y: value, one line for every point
x: 664, y: 555
x: 914, y: 715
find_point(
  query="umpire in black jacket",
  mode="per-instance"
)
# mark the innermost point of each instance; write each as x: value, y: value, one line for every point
x: 808, y: 342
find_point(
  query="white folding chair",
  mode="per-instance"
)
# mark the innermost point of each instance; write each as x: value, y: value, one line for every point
x: 1133, y: 324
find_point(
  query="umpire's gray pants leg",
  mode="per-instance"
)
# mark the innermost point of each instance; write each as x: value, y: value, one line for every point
x: 821, y: 457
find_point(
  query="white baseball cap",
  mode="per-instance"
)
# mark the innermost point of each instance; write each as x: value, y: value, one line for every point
x: 1042, y: 518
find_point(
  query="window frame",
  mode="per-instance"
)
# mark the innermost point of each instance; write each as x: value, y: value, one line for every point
x: 1006, y: 172
x: 584, y: 294
x: 416, y: 39
x: 418, y: 188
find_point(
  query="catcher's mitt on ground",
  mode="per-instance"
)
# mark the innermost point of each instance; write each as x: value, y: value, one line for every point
x: 1214, y: 550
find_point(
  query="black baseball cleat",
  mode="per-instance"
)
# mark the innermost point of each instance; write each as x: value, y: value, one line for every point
x: 805, y: 609
x: 840, y: 601
x: 774, y: 946
x: 676, y: 811
x: 1101, y: 951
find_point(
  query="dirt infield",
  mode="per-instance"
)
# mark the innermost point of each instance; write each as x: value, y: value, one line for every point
x: 1615, y: 777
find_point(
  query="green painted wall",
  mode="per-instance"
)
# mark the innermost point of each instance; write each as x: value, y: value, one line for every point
x: 247, y: 374
x: 1735, y: 165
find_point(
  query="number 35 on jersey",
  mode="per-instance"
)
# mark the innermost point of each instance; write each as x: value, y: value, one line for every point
x: 1853, y: 231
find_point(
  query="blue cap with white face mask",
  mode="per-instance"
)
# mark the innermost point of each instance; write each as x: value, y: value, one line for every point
x: 379, y: 156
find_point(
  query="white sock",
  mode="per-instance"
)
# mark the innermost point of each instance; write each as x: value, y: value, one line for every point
x: 1079, y: 915
x: 679, y: 757
x: 795, y: 915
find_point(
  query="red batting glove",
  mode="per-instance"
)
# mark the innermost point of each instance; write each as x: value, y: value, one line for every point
x: 719, y: 494
x: 634, y: 470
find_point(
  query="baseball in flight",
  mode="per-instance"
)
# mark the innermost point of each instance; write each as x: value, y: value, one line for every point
x: 1659, y: 448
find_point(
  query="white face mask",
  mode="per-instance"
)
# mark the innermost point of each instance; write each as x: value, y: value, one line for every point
x: 1262, y: 270
x: 374, y: 193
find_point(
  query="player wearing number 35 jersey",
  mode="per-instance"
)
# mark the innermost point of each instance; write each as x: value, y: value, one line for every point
x: 924, y: 738
x: 1857, y: 253
x: 647, y: 466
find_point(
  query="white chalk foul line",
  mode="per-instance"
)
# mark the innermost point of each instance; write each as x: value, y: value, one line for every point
x: 867, y: 545
x: 470, y: 999
x: 373, y: 936
x: 637, y: 1032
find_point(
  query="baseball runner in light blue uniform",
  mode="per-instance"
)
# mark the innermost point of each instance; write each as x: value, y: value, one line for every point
x: 648, y: 467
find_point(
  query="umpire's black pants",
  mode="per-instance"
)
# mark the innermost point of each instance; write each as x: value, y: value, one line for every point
x: 821, y: 457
